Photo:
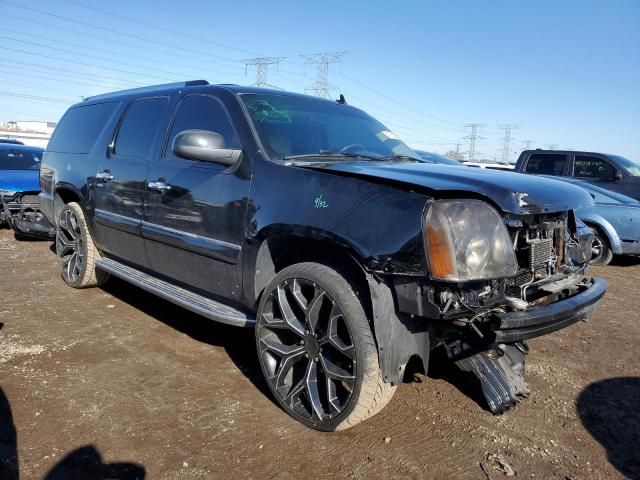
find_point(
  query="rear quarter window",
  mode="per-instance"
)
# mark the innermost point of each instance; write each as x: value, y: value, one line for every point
x: 546, y: 164
x: 80, y: 127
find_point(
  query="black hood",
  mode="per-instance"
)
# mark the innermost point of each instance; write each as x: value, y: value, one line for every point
x: 512, y: 192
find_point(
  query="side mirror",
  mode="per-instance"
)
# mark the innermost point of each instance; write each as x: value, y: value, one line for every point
x: 617, y: 175
x: 205, y: 146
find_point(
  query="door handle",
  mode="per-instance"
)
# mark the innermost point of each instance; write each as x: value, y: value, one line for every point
x: 105, y: 176
x: 159, y: 186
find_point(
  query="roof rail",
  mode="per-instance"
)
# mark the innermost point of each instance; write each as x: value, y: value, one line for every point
x: 165, y: 86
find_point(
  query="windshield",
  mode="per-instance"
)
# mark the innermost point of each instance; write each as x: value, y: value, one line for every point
x: 20, y: 159
x: 630, y: 166
x: 290, y: 126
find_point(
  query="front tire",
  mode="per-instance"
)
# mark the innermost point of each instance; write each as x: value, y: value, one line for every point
x: 76, y: 252
x: 601, y: 253
x: 316, y: 349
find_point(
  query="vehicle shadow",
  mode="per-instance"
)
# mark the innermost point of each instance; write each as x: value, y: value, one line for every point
x: 625, y: 261
x: 9, y: 465
x: 86, y: 463
x: 239, y: 343
x: 610, y: 411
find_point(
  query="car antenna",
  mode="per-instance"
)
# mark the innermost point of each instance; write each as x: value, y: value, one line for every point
x: 342, y: 100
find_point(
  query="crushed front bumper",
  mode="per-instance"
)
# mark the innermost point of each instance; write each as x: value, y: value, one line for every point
x: 543, y: 319
x: 22, y: 213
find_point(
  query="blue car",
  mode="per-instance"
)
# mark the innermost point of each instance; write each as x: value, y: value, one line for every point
x: 614, y: 219
x: 19, y: 188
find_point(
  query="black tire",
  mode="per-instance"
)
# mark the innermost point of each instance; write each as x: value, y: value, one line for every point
x: 76, y: 252
x: 322, y: 363
x: 601, y: 253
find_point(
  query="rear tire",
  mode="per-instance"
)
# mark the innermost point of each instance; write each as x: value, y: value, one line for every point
x: 601, y: 253
x: 76, y: 252
x: 317, y: 351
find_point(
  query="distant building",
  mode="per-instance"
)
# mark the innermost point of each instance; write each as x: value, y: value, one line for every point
x: 34, y: 133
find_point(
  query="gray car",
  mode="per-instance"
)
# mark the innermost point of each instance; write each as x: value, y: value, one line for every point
x: 615, y: 220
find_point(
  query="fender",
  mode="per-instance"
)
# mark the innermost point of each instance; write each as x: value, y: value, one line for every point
x: 399, y: 337
x: 606, y: 227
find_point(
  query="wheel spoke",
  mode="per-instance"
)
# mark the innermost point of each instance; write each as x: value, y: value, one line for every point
x: 287, y: 312
x: 286, y: 365
x: 296, y: 290
x: 65, y: 246
x: 313, y: 312
x: 333, y: 339
x: 313, y: 393
x: 69, y: 266
x: 271, y: 343
x: 335, y: 371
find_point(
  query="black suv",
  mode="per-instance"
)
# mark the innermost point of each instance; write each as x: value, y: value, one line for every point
x: 612, y: 172
x: 311, y: 221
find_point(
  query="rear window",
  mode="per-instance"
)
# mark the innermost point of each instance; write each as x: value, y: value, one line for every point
x: 139, y: 126
x: 546, y: 163
x: 20, y: 159
x: 80, y: 127
x: 592, y: 167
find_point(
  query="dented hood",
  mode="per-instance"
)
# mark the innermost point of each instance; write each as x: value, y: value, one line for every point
x: 512, y: 192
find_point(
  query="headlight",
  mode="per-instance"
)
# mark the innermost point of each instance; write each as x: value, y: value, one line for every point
x: 7, y: 193
x: 467, y: 240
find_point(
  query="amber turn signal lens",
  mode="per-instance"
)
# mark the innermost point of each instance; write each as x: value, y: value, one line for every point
x: 439, y: 255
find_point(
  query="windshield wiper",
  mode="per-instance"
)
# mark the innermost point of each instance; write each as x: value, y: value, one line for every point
x: 332, y: 154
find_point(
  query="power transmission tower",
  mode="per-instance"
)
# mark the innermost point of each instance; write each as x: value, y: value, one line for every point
x: 473, y: 137
x: 262, y: 65
x: 322, y: 86
x: 552, y: 146
x: 506, y: 145
x: 527, y: 144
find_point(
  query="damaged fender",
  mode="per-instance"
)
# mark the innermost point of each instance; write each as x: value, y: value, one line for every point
x: 399, y: 337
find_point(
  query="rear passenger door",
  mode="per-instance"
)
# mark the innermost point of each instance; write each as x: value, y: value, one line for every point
x: 556, y: 164
x: 120, y: 181
x: 195, y: 210
x: 598, y: 171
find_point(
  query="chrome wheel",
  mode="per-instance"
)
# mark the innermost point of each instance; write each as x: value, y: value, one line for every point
x: 597, y: 248
x: 70, y: 247
x: 306, y: 350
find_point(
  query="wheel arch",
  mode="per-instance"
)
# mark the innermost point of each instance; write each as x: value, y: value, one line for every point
x: 63, y: 194
x: 603, y: 226
x: 398, y: 339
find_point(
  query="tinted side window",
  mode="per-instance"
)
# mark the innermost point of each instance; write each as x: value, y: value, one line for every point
x: 592, y: 167
x: 546, y: 163
x: 139, y: 126
x: 202, y: 112
x: 80, y: 127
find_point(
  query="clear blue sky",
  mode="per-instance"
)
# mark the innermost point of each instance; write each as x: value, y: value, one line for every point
x: 566, y: 72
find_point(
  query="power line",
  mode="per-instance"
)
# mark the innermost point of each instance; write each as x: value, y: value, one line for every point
x: 420, y: 112
x: 35, y: 97
x: 506, y: 145
x: 116, y: 32
x: 232, y: 63
x: 262, y: 65
x: 473, y: 137
x: 83, y: 63
x: 110, y: 52
x: 163, y: 29
x: 321, y: 87
x: 66, y: 73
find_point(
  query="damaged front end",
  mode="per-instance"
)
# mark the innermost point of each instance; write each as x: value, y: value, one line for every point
x: 21, y: 211
x: 484, y: 300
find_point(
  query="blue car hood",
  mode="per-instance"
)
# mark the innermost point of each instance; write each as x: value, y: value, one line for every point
x: 512, y: 192
x: 20, y: 180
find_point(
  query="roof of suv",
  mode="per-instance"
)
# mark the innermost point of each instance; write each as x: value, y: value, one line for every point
x: 168, y: 87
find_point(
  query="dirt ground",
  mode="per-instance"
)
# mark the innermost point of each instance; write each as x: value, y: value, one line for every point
x: 116, y: 383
